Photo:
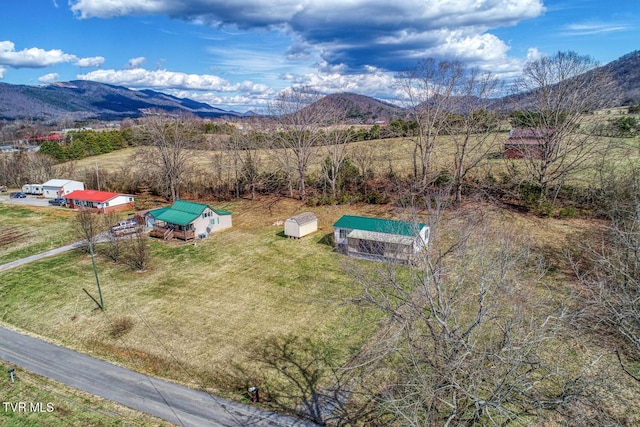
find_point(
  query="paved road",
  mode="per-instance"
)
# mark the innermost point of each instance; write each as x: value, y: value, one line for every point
x: 100, y: 238
x: 41, y: 255
x: 179, y: 405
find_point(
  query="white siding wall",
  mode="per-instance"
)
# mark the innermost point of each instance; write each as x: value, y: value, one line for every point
x: 120, y: 200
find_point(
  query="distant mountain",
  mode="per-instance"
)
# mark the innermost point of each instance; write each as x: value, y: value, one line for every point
x: 82, y: 99
x: 626, y: 72
x: 363, y: 109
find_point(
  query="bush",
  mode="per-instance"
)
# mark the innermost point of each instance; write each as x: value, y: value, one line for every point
x: 531, y: 194
x: 120, y: 327
x: 377, y: 199
x: 567, y: 212
x: 545, y: 209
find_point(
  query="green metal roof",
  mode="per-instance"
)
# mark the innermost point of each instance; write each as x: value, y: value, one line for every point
x: 181, y: 212
x: 378, y: 225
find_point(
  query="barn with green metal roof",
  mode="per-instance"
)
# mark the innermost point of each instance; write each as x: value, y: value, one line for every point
x: 187, y: 220
x: 380, y: 238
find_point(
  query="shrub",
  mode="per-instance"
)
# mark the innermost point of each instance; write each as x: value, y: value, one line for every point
x: 120, y: 326
x: 567, y: 212
x: 530, y: 193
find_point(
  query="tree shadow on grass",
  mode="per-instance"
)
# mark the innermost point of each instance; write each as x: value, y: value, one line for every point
x: 295, y: 375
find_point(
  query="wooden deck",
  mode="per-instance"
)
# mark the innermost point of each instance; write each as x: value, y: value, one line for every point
x: 166, y: 233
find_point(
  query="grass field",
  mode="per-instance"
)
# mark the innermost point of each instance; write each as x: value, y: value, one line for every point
x: 26, y: 231
x: 198, y: 309
x: 49, y: 403
x: 201, y: 312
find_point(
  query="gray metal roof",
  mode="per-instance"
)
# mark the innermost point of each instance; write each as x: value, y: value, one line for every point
x: 303, y: 218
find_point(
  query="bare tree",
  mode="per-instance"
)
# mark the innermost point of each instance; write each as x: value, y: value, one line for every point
x: 556, y: 93
x: 136, y: 252
x: 336, y: 138
x: 297, y: 122
x: 166, y: 141
x: 456, y: 348
x: 246, y: 159
x: 473, y: 127
x: 364, y: 158
x: 429, y: 89
x: 88, y: 225
x: 113, y: 247
x: 609, y: 271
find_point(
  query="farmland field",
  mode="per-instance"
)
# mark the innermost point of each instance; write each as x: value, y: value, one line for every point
x: 203, y: 312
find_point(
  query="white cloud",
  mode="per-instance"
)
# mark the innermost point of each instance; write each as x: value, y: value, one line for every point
x: 165, y: 79
x: 588, y: 29
x: 32, y: 57
x: 2, y: 71
x: 136, y: 62
x: 348, y: 32
x: 94, y: 61
x: 39, y: 58
x: 240, y: 102
x: 49, y: 78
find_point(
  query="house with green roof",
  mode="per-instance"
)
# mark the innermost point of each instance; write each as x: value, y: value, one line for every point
x: 186, y: 220
x: 379, y: 238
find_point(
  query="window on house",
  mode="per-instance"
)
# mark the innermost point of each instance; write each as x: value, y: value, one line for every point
x: 343, y: 234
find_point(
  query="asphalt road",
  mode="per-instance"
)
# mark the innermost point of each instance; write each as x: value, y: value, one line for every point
x: 179, y: 405
x: 41, y: 255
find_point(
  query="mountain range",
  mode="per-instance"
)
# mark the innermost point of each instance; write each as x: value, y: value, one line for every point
x: 81, y: 100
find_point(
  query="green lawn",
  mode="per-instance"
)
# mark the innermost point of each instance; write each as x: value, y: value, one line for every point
x: 26, y: 230
x: 199, y: 309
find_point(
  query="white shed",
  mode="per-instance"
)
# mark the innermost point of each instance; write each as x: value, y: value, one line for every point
x: 300, y: 225
x: 60, y: 187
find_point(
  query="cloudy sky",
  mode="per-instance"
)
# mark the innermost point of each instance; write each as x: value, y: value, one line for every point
x: 238, y: 54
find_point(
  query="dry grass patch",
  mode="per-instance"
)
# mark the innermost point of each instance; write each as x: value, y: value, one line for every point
x: 200, y: 306
x: 27, y: 230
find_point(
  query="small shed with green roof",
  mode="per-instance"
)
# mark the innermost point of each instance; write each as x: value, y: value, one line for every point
x: 380, y: 238
x: 187, y: 220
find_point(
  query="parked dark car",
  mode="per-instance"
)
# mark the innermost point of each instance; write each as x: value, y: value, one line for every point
x: 58, y: 201
x: 17, y: 195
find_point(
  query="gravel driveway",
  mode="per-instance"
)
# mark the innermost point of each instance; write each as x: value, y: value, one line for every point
x: 30, y: 200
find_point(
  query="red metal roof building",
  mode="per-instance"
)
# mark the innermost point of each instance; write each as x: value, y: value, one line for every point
x: 100, y: 201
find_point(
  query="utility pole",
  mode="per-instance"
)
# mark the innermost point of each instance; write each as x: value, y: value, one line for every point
x: 97, y: 176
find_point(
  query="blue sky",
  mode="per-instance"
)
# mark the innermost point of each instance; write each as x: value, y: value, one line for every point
x: 238, y: 54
